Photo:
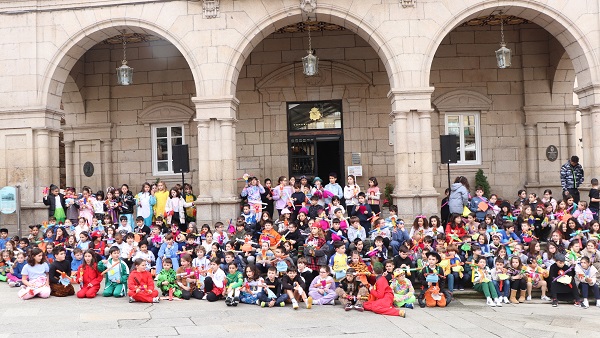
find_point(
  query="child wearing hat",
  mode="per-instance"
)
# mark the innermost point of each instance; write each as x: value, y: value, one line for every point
x: 404, y: 292
x: 433, y: 283
x: 562, y: 281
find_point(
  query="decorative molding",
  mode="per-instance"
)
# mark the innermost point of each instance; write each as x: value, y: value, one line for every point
x: 327, y: 69
x: 408, y: 3
x: 166, y: 112
x: 462, y: 99
x: 210, y: 9
x: 308, y: 6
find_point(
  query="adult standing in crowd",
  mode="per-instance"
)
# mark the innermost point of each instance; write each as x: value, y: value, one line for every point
x: 571, y: 177
x: 459, y: 195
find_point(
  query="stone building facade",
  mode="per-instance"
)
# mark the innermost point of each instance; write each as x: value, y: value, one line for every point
x: 224, y: 76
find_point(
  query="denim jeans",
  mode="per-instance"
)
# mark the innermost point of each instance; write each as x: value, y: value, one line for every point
x: 505, y: 287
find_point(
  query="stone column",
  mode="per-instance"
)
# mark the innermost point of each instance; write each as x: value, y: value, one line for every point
x: 414, y: 192
x: 69, y: 163
x: 532, y: 155
x: 586, y: 135
x: 593, y: 168
x: 107, y: 168
x: 571, y: 137
x: 216, y: 117
x: 42, y: 170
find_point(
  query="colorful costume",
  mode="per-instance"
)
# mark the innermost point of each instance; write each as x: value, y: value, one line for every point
x: 141, y: 287
x: 434, y: 294
x: 145, y: 203
x: 115, y: 282
x: 87, y: 275
x: 169, y: 276
x: 404, y: 293
x: 384, y: 299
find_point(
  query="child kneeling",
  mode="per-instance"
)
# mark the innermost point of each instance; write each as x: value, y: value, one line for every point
x: 141, y: 284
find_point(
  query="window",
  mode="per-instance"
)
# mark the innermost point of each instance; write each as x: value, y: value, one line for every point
x: 466, y: 127
x: 164, y: 137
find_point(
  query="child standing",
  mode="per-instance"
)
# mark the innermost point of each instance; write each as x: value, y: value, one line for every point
x: 174, y: 210
x: 373, y: 195
x: 88, y: 276
x: 161, y: 195
x: 56, y: 203
x: 140, y: 284
x: 116, y: 272
x: 351, y: 191
x: 145, y: 201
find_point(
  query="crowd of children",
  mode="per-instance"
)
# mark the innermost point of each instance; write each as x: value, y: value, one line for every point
x: 329, y: 244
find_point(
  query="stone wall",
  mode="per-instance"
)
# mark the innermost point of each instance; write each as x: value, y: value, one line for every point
x: 118, y: 115
x: 349, y: 69
x: 533, y: 93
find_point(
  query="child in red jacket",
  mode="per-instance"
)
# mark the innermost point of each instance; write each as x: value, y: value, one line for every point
x: 383, y: 295
x: 141, y: 285
x: 89, y: 276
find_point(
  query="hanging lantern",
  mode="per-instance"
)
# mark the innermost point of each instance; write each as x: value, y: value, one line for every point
x: 503, y: 55
x: 310, y: 63
x: 124, y: 73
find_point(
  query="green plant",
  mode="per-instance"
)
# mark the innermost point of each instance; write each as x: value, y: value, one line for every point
x: 481, y: 180
x: 387, y: 195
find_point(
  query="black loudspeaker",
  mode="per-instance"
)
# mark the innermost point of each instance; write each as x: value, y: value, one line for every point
x: 448, y: 145
x: 181, y: 159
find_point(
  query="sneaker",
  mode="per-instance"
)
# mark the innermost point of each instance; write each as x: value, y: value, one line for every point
x: 409, y: 306
x: 204, y: 297
x: 282, y: 304
x: 295, y: 304
x: 228, y: 301
x: 546, y: 298
x: 156, y: 300
x: 156, y: 278
x: 461, y: 289
x: 528, y: 298
x: 585, y: 304
x: 309, y: 302
x: 490, y: 302
x: 554, y: 302
x: 12, y: 284
x: 506, y: 301
x: 131, y: 300
x: 498, y: 302
x: 577, y: 303
x: 331, y: 303
x: 263, y: 304
x: 348, y: 307
x: 359, y: 308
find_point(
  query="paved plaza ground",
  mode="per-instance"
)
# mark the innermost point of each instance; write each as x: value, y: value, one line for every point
x: 101, y: 317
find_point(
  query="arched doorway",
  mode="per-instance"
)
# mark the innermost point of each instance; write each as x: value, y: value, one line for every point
x: 530, y: 105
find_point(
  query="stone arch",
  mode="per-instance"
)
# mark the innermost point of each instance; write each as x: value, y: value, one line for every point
x: 570, y: 37
x: 563, y: 80
x: 72, y: 100
x: 71, y: 51
x: 324, y: 12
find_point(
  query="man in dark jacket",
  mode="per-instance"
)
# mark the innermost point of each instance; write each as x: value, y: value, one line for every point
x: 571, y: 177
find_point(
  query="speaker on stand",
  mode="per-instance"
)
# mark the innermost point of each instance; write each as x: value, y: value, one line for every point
x: 181, y: 160
x: 448, y: 147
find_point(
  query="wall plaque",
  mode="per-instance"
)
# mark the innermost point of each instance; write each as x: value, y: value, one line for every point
x: 551, y: 153
x: 88, y: 169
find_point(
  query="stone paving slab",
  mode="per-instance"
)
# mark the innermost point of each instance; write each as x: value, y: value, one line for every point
x: 110, y: 317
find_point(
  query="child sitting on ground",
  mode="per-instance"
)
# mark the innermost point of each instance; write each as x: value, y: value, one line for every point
x: 271, y: 293
x: 167, y: 279
x: 293, y: 285
x: 141, y: 285
x: 116, y: 272
x: 383, y: 295
x: 235, y: 280
x: 351, y: 292
x: 482, y: 282
x: 404, y: 293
